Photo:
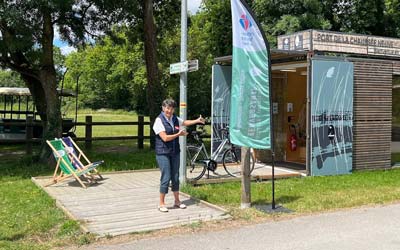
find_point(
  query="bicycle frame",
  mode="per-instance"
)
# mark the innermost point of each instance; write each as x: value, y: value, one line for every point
x: 214, y: 156
x: 219, y: 149
x: 202, y: 147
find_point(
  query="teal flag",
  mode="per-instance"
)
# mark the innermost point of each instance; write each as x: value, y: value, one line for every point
x: 250, y: 118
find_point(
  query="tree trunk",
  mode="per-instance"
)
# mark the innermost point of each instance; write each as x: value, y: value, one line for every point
x: 154, y: 89
x: 38, y: 95
x: 52, y: 125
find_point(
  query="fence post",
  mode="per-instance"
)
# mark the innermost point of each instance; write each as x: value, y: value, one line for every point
x: 88, y: 132
x: 29, y: 134
x: 140, y: 132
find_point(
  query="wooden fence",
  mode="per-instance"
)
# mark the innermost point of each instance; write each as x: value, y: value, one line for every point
x: 140, y: 137
x: 29, y: 125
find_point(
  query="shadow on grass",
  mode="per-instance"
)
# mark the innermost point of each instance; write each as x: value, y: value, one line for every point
x: 284, y: 199
x: 117, y: 156
x: 23, y: 167
x: 13, y: 237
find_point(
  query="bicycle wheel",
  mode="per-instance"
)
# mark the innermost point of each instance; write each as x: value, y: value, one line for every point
x: 195, y: 168
x: 232, y: 164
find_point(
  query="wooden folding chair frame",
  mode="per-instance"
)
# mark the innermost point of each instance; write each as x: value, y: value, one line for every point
x: 73, y: 172
x: 81, y: 154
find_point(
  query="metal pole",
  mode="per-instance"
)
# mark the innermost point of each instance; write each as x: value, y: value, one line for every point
x: 183, y: 91
x: 271, y: 114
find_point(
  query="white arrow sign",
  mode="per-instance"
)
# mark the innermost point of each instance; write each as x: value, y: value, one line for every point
x: 177, y: 68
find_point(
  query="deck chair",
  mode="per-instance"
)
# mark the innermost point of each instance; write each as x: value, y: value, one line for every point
x: 64, y: 168
x: 77, y: 155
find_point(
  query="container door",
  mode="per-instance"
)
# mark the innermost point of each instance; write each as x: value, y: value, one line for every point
x: 221, y: 102
x: 331, y: 117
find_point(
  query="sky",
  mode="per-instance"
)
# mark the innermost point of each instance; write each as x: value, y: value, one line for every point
x: 193, y: 6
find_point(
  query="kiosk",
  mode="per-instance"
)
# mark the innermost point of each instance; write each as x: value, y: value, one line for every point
x: 332, y: 101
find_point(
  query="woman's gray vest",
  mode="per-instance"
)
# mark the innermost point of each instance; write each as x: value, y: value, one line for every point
x: 171, y: 147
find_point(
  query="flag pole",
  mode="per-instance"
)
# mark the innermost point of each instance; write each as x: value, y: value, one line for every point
x: 273, y: 205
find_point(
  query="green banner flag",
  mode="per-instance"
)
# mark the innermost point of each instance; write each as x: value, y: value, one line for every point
x: 250, y: 119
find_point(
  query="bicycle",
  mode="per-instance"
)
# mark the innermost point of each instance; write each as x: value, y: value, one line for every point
x: 198, y: 160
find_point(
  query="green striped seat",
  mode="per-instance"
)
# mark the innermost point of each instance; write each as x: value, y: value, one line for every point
x: 64, y: 163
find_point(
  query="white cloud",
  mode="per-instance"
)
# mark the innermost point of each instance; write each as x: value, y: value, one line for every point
x: 65, y: 50
x: 193, y: 5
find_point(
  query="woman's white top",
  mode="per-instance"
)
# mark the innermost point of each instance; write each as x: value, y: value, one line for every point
x: 158, y: 126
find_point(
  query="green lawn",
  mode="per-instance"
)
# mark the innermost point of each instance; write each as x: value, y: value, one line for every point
x: 29, y: 217
x: 109, y: 116
x: 311, y: 194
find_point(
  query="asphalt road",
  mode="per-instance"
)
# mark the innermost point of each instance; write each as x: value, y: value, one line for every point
x: 357, y: 229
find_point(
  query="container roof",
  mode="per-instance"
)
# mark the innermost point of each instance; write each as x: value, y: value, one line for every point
x: 26, y: 92
x: 277, y: 56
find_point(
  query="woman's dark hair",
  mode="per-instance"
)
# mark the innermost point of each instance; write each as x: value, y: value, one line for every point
x: 169, y: 103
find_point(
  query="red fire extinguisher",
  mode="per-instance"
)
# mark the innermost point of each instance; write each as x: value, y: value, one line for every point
x: 293, y: 139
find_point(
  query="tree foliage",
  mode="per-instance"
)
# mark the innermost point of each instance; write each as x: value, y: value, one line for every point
x: 10, y: 78
x: 26, y: 44
x: 110, y: 75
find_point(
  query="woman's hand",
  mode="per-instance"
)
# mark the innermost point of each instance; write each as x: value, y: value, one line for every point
x: 200, y: 120
x: 182, y: 133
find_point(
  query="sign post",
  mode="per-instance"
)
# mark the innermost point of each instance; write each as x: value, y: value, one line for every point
x: 183, y: 91
x: 182, y: 68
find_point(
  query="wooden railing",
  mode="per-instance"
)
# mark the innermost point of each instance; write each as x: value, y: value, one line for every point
x: 140, y: 137
x: 29, y: 125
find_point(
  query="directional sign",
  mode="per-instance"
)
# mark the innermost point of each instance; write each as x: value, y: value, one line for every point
x: 193, y: 65
x: 177, y: 68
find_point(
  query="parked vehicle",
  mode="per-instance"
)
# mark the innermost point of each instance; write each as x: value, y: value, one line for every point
x: 16, y: 104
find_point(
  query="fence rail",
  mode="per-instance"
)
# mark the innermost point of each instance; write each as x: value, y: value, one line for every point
x: 28, y: 127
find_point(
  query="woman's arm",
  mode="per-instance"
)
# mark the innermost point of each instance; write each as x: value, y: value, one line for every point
x: 192, y: 122
x: 167, y: 138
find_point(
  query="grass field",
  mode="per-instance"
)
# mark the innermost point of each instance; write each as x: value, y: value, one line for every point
x: 311, y: 194
x: 30, y: 219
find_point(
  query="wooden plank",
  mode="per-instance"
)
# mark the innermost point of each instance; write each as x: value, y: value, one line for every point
x: 396, y: 68
x: 372, y: 114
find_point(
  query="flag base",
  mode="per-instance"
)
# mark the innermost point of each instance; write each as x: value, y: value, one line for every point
x: 267, y: 208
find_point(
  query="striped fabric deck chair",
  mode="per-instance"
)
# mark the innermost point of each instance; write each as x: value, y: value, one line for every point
x: 64, y: 168
x: 72, y: 148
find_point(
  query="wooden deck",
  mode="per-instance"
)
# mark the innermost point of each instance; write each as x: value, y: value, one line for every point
x: 261, y: 172
x: 125, y: 202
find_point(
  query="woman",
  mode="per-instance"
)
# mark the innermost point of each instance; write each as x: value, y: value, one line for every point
x: 168, y: 128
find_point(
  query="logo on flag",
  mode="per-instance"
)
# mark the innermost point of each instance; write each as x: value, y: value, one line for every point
x: 245, y: 22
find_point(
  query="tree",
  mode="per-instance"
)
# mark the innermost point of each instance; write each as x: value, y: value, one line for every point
x: 26, y: 44
x: 10, y: 78
x: 154, y: 91
x: 111, y: 75
x: 374, y: 17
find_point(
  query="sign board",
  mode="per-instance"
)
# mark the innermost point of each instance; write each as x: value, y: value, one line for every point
x: 331, y: 117
x: 316, y: 40
x: 177, y: 68
x: 193, y: 65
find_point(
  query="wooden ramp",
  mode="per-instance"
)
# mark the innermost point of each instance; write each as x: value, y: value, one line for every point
x: 126, y: 202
